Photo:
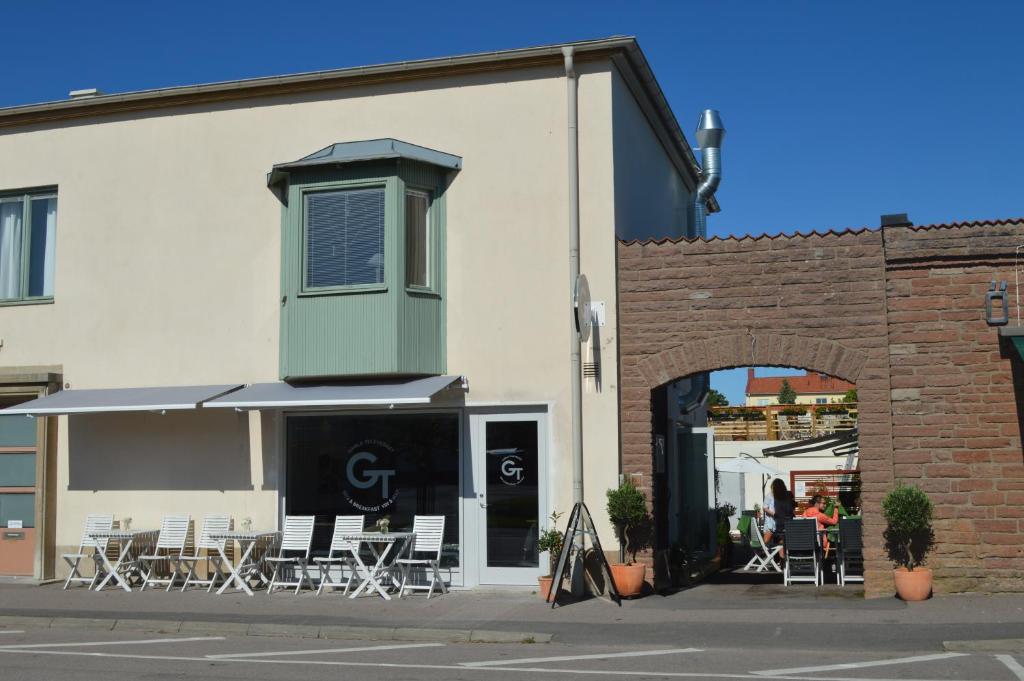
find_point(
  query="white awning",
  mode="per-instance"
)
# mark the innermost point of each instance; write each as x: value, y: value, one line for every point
x: 348, y: 394
x: 121, y: 399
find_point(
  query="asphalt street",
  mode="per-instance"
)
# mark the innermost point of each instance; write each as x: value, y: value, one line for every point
x: 85, y: 654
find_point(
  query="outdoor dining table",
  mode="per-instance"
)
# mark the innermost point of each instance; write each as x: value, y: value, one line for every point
x: 381, y: 545
x: 126, y: 564
x: 244, y: 569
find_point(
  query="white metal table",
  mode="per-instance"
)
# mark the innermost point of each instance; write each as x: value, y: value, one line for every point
x: 126, y: 564
x: 244, y: 568
x: 381, y: 545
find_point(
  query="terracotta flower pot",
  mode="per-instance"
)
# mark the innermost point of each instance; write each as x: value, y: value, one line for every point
x: 545, y: 587
x: 915, y: 585
x: 629, y: 579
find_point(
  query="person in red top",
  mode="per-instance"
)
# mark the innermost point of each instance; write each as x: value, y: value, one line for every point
x: 816, y: 510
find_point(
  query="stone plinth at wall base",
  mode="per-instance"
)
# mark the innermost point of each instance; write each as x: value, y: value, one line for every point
x: 879, y: 583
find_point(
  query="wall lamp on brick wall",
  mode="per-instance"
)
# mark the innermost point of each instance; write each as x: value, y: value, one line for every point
x: 997, y: 305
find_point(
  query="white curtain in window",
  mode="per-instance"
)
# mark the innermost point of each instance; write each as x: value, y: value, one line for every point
x: 10, y: 248
x: 50, y: 249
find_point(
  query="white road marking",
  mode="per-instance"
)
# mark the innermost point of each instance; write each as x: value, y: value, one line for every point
x: 1012, y: 665
x: 322, y: 651
x: 12, y: 631
x: 858, y: 665
x: 19, y: 646
x: 449, y: 667
x: 567, y: 658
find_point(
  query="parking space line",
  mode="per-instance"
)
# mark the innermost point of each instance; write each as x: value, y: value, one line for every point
x: 567, y: 658
x: 323, y: 651
x: 858, y: 665
x: 1012, y: 665
x: 19, y: 646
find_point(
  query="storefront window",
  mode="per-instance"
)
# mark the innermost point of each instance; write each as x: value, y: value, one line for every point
x: 389, y: 465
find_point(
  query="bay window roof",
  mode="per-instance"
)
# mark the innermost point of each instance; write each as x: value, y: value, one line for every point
x: 365, y: 150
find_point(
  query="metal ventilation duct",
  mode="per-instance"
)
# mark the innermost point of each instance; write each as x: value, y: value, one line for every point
x: 710, y: 132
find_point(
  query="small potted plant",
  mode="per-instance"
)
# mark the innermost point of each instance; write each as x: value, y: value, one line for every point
x: 724, y: 512
x: 384, y: 524
x: 908, y: 539
x: 627, y: 509
x: 551, y: 540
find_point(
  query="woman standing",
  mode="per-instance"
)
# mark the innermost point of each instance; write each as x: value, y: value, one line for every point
x: 778, y: 508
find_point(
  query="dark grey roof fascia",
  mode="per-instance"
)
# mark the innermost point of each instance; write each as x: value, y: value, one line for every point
x: 121, y: 399
x: 366, y: 150
x: 348, y: 394
x: 391, y: 68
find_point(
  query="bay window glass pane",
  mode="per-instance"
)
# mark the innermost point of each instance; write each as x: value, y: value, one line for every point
x: 345, y: 238
x: 42, y: 247
x: 416, y: 244
x: 11, y: 240
x: 394, y: 466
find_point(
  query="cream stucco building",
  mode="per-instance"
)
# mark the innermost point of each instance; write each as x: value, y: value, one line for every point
x: 354, y: 232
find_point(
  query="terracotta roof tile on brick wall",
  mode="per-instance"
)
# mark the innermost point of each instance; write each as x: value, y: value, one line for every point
x: 830, y: 232
x: 808, y: 384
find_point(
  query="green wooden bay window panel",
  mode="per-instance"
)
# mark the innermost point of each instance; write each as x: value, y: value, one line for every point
x: 358, y: 297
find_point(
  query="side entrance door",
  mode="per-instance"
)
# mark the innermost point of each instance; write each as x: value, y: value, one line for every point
x: 509, y: 483
x: 17, y: 495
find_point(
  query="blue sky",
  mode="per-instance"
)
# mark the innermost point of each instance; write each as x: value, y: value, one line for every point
x: 836, y: 112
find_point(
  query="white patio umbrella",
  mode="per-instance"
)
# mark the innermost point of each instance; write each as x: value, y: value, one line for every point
x: 746, y: 464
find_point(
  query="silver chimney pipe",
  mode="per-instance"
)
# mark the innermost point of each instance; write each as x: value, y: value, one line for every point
x: 710, y: 132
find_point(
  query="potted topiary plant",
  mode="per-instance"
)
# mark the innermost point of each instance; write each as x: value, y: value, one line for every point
x: 908, y: 538
x: 551, y: 540
x: 627, y: 509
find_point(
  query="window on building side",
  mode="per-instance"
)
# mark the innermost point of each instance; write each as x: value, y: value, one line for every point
x: 417, y: 238
x: 28, y: 237
x: 344, y: 234
x: 821, y: 400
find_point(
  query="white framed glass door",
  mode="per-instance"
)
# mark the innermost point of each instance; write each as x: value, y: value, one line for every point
x: 509, y: 486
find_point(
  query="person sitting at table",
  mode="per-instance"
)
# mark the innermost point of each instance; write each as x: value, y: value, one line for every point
x: 816, y: 510
x: 778, y: 508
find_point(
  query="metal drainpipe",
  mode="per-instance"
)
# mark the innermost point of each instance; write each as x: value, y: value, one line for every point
x: 574, y: 271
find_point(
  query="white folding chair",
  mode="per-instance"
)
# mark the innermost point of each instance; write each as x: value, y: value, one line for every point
x: 429, y: 531
x: 89, y: 548
x: 297, y: 538
x: 340, y: 553
x: 764, y: 557
x: 170, y: 544
x: 212, y: 524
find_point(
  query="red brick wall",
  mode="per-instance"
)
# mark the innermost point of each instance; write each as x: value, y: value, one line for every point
x: 956, y: 424
x: 899, y: 314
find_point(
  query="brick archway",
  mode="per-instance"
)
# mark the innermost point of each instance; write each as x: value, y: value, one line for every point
x: 897, y: 311
x: 816, y: 303
x: 756, y: 349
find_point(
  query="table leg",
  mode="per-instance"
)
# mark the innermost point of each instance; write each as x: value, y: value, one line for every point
x: 373, y: 574
x: 112, y: 570
x: 236, y: 569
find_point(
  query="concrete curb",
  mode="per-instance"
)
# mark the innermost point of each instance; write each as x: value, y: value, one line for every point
x: 999, y: 645
x: 277, y: 630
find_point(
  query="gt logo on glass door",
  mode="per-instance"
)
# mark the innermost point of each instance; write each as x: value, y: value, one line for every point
x: 512, y: 470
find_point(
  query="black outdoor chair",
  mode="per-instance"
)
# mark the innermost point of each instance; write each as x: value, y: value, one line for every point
x: 803, y: 562
x: 851, y: 551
